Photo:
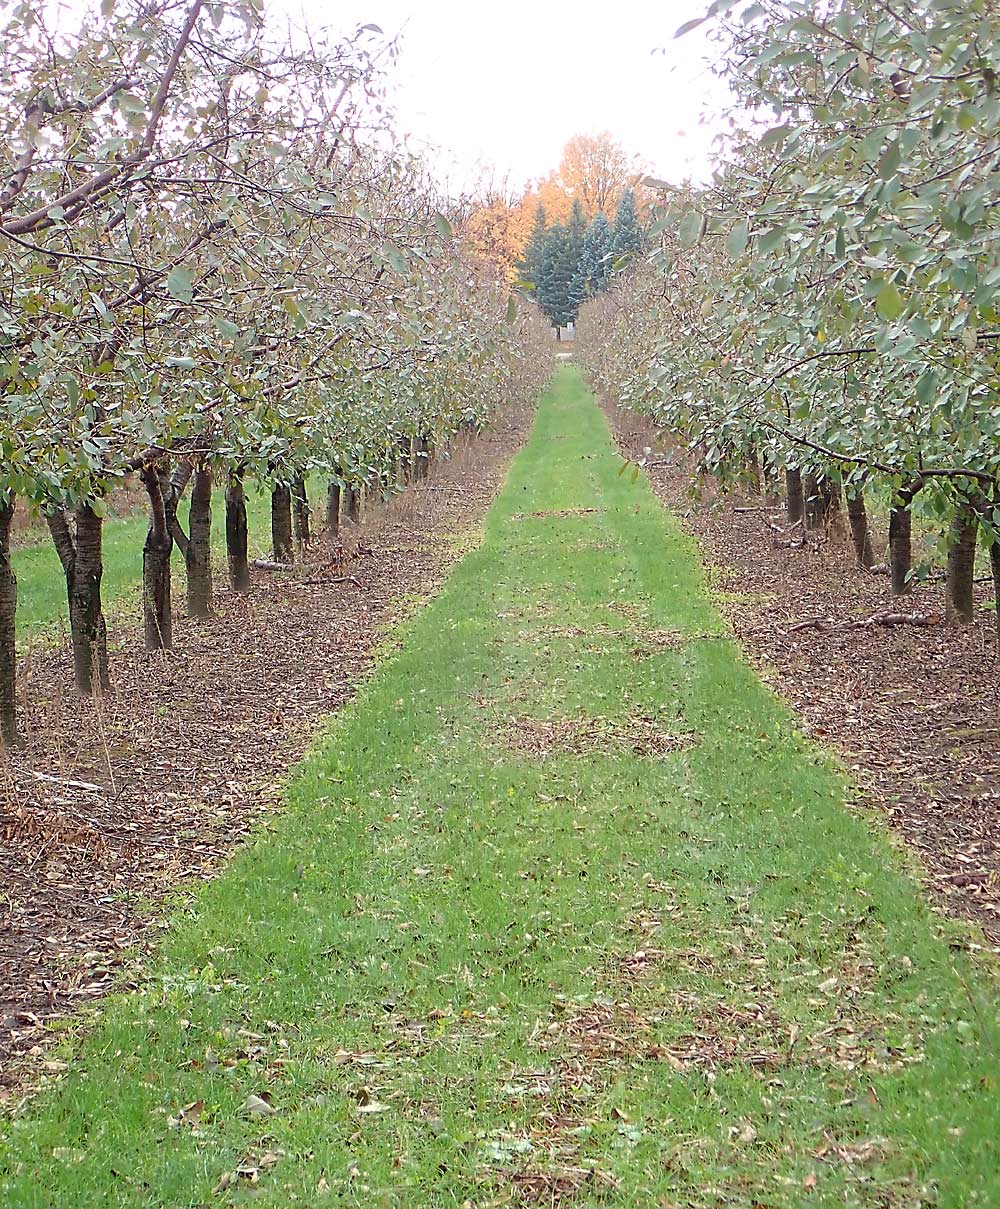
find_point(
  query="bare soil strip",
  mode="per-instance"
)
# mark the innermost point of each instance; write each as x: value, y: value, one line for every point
x: 111, y: 805
x: 915, y: 708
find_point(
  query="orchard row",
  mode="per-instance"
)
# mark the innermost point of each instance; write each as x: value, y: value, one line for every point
x: 826, y: 310
x: 219, y: 264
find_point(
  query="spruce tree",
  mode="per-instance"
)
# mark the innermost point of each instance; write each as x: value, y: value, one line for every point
x: 595, y: 260
x: 531, y: 262
x: 576, y: 234
x: 554, y: 279
x: 627, y: 231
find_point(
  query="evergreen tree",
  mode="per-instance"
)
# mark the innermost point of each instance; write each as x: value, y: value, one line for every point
x: 596, y: 259
x: 576, y: 228
x: 576, y: 234
x: 554, y: 281
x: 627, y: 231
x: 531, y: 262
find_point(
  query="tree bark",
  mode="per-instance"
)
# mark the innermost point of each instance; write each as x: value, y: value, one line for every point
x: 794, y: 498
x: 333, y: 508
x: 156, y: 618
x: 300, y: 512
x: 830, y: 498
x: 857, y: 514
x: 900, y: 551
x: 352, y: 503
x: 900, y: 537
x: 198, y: 555
x: 237, y: 538
x: 8, y: 615
x: 91, y: 649
x: 83, y: 566
x: 810, y: 500
x: 422, y: 450
x: 405, y: 446
x: 281, y: 523
x: 960, y: 605
x: 995, y: 569
x: 769, y: 479
x: 752, y: 472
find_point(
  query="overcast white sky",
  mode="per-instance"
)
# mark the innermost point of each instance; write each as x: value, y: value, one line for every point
x: 505, y: 85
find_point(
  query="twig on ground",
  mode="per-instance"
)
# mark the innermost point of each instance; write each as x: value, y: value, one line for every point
x: 264, y: 564
x: 44, y: 776
x: 884, y: 620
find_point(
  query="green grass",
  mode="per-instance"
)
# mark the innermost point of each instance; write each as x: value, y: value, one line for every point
x: 41, y: 607
x: 462, y: 973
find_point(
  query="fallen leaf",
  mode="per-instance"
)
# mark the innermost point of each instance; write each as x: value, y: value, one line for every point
x: 258, y: 1106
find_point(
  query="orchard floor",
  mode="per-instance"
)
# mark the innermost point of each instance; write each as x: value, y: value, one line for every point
x: 108, y: 806
x: 912, y: 710
x: 562, y: 909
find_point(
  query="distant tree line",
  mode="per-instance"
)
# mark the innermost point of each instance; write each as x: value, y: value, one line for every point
x: 566, y: 263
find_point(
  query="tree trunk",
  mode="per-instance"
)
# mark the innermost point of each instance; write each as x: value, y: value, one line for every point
x: 830, y: 498
x: 405, y: 445
x: 900, y: 553
x: 352, y: 503
x: 422, y: 449
x: 300, y: 514
x: 995, y: 568
x: 794, y: 499
x: 857, y: 514
x: 769, y: 480
x: 8, y: 648
x: 752, y: 472
x: 333, y: 508
x: 812, y: 501
x: 237, y: 539
x: 86, y: 617
x: 156, y: 618
x: 281, y: 523
x: 900, y: 540
x: 83, y: 566
x: 198, y: 555
x: 960, y: 605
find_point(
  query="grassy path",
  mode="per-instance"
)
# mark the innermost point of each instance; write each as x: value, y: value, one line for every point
x: 563, y: 910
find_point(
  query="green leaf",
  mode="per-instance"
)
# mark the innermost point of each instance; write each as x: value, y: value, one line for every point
x: 889, y: 302
x: 690, y: 229
x: 443, y: 226
x: 225, y: 328
x: 395, y: 259
x: 737, y: 239
x: 180, y: 284
x: 688, y: 26
x: 889, y: 163
x: 771, y: 240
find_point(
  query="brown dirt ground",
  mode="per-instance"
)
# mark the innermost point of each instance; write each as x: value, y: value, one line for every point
x: 111, y: 805
x: 913, y: 710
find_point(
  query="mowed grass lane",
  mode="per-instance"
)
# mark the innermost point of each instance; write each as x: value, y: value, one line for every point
x: 563, y: 910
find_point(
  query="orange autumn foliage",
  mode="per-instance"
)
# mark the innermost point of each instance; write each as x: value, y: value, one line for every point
x: 594, y: 169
